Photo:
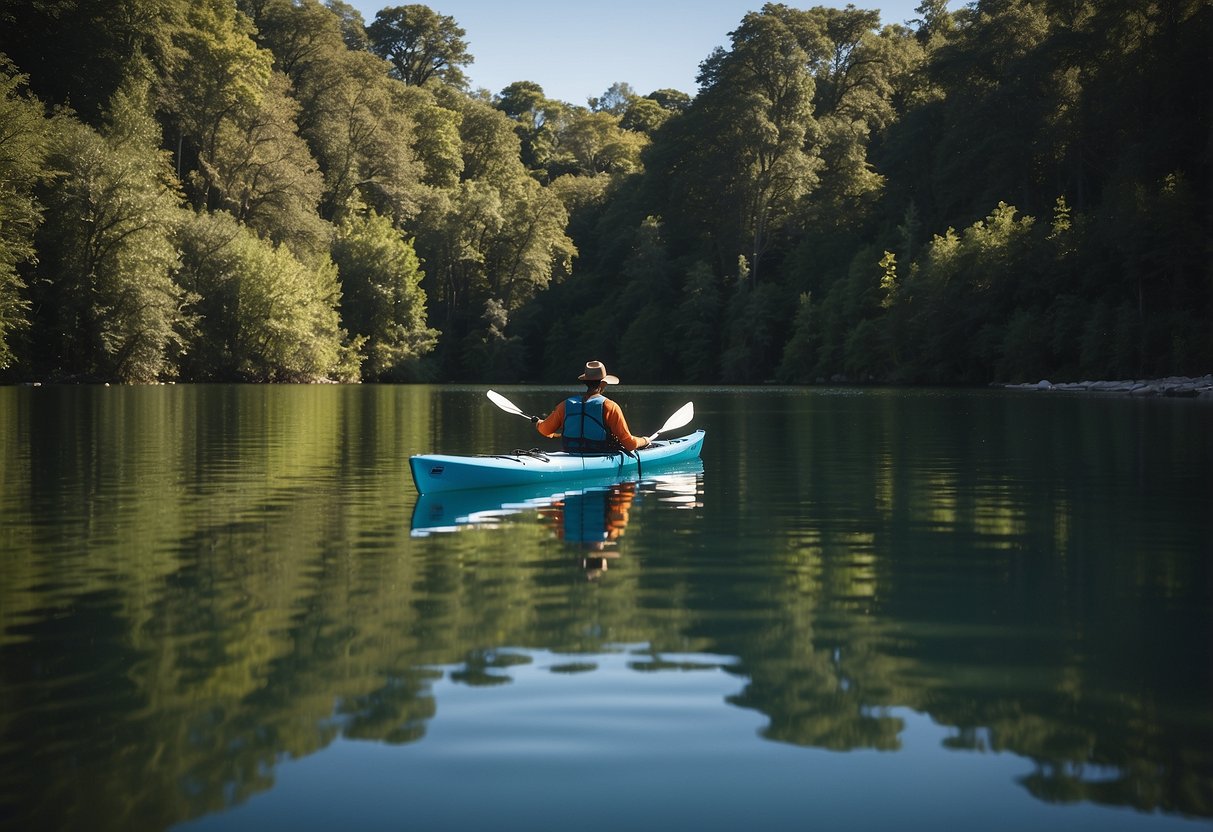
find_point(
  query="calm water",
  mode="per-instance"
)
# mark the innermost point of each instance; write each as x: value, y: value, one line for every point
x: 223, y: 608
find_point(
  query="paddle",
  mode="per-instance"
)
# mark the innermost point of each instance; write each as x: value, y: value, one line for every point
x: 682, y: 416
x: 507, y: 405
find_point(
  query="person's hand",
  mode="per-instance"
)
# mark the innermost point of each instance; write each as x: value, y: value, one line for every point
x: 534, y: 420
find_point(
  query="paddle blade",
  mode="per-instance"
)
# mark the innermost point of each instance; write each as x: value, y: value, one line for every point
x: 504, y: 403
x: 682, y: 416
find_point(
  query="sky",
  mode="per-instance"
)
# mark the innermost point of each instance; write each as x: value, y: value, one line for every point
x: 576, y: 49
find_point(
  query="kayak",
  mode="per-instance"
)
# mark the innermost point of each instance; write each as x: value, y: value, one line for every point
x: 445, y: 472
x: 449, y: 511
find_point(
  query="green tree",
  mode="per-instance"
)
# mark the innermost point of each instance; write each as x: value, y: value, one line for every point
x: 754, y: 332
x: 595, y: 142
x: 697, y: 326
x: 24, y: 137
x: 354, y: 117
x: 499, y: 236
x: 754, y: 112
x: 616, y: 100
x: 800, y: 351
x: 644, y: 305
x: 436, y: 140
x: 936, y: 22
x: 858, y: 71
x: 222, y: 76
x: 420, y: 44
x: 107, y: 253
x: 263, y: 314
x: 540, y: 120
x: 262, y: 172
x: 353, y: 25
x: 382, y: 299
x: 77, y: 52
x: 644, y: 115
x: 675, y: 101
x: 961, y: 295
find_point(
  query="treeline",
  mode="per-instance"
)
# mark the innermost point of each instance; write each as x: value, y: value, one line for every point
x: 275, y: 190
x: 1020, y: 189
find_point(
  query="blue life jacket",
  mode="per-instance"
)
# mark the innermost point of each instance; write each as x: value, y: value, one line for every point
x: 585, y: 430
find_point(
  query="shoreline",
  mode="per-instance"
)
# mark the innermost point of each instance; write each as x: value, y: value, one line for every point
x: 1184, y: 387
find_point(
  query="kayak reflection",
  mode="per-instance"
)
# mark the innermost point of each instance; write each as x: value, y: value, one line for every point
x: 591, y: 518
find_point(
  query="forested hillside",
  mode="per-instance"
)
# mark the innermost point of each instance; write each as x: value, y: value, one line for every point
x: 284, y: 191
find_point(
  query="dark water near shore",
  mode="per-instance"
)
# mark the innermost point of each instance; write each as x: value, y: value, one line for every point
x: 222, y: 608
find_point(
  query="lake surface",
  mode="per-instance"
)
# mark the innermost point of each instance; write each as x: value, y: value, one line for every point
x: 221, y: 607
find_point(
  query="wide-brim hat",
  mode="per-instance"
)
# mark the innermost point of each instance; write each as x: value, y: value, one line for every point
x: 596, y: 371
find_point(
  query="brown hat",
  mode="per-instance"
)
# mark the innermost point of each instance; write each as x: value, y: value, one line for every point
x: 596, y: 371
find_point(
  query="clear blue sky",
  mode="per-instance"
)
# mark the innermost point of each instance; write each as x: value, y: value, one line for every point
x: 576, y: 49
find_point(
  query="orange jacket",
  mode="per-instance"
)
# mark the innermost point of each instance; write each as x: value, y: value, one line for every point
x: 612, y: 414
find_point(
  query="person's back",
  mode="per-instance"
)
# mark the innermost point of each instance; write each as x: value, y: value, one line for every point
x: 591, y: 423
x: 584, y: 430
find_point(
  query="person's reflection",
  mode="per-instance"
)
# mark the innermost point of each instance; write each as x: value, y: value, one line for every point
x: 593, y: 521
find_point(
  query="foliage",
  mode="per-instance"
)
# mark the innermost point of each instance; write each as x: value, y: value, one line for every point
x: 756, y: 106
x: 420, y: 44
x: 263, y: 314
x: 355, y: 118
x: 24, y: 136
x: 382, y: 299
x: 795, y: 216
x: 836, y: 157
x: 105, y: 272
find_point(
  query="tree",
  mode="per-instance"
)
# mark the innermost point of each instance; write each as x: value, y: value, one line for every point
x: 595, y: 142
x: 263, y: 314
x: 644, y: 115
x: 24, y: 137
x: 237, y: 126
x: 353, y: 25
x: 498, y: 236
x: 676, y: 101
x: 355, y: 118
x: 936, y: 22
x: 436, y: 142
x: 222, y: 76
x: 263, y: 173
x: 382, y: 299
x: 108, y: 256
x: 697, y: 326
x: 76, y: 52
x: 420, y: 44
x: 616, y: 100
x: 540, y: 121
x: 755, y: 110
x: 523, y: 101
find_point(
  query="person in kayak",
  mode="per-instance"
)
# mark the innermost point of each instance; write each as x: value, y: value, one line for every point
x: 590, y: 423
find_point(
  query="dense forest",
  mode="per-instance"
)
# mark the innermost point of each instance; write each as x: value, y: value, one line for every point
x: 278, y: 190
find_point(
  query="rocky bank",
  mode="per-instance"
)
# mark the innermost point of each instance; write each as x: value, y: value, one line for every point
x: 1175, y: 386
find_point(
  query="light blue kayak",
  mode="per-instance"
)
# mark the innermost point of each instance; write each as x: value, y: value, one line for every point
x: 449, y: 511
x: 444, y: 472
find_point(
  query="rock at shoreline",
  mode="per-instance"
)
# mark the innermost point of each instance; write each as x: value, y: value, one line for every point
x: 1175, y: 386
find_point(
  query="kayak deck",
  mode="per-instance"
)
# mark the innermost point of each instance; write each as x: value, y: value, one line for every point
x: 446, y: 472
